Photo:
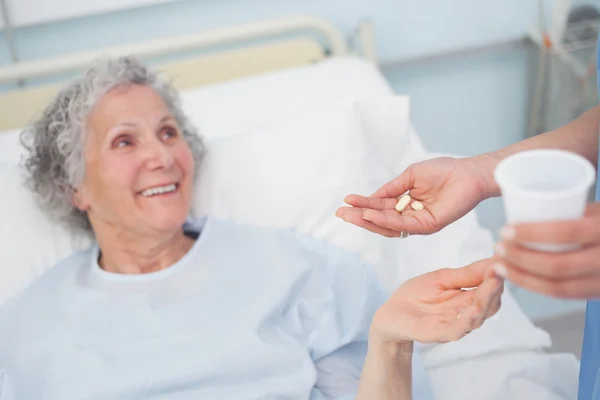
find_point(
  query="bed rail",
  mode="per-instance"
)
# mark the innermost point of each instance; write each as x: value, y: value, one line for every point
x: 167, y: 46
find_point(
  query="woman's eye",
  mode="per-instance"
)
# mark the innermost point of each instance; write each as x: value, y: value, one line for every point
x: 169, y: 133
x: 123, y: 142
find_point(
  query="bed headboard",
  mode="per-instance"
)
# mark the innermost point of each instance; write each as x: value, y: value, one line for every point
x: 253, y: 48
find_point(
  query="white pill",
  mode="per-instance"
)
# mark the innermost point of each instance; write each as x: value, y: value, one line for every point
x: 417, y: 205
x: 403, y: 202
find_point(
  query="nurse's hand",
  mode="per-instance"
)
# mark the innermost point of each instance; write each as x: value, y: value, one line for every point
x: 435, y: 308
x: 448, y: 188
x: 573, y: 274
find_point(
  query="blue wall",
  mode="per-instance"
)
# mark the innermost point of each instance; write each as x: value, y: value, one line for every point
x: 405, y: 28
x: 465, y: 106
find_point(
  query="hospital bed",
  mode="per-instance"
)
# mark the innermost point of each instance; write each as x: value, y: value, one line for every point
x: 293, y: 119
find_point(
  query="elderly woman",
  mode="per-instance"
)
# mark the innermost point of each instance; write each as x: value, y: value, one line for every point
x: 165, y: 307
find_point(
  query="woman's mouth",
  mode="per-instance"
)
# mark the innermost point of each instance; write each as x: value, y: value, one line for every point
x: 160, y: 190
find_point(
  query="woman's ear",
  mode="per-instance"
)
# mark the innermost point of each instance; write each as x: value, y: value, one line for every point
x: 79, y: 200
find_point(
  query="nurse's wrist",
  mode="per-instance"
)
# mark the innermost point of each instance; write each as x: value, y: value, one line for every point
x: 483, y: 167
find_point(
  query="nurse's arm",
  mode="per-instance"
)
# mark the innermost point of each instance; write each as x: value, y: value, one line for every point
x: 580, y: 136
x: 387, y: 372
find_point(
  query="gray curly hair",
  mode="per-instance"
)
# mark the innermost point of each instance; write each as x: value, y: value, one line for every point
x: 55, y: 142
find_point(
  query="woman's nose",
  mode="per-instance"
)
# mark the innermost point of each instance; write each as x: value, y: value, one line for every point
x: 158, y: 155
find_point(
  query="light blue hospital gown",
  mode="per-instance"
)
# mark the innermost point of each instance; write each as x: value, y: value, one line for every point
x: 247, y: 314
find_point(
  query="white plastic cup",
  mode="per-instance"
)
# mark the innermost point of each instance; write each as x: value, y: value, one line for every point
x: 544, y: 186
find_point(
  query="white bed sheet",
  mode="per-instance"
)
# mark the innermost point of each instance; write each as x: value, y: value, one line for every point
x: 527, y: 375
x: 456, y: 369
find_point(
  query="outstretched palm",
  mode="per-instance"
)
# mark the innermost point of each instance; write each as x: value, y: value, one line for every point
x: 435, y: 307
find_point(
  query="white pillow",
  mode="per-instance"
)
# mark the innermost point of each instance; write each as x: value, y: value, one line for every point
x: 11, y: 149
x: 386, y: 122
x: 232, y: 107
x: 295, y: 175
x: 31, y: 241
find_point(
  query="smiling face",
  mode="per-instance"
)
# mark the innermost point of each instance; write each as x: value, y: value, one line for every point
x: 139, y: 168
